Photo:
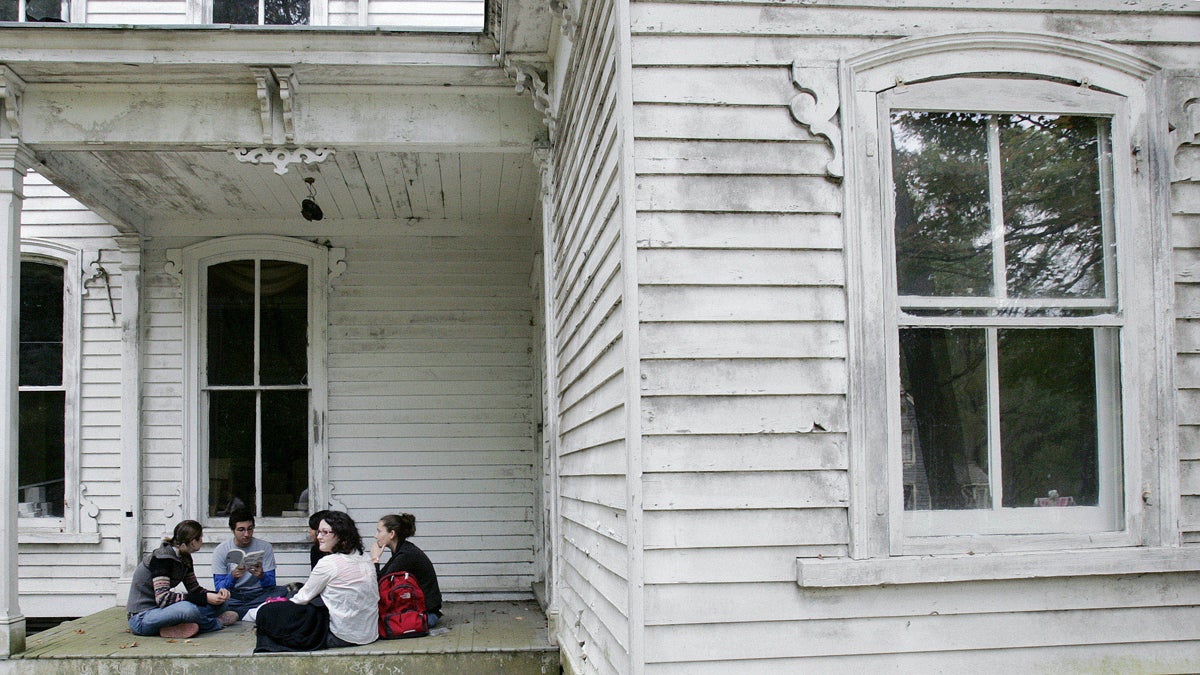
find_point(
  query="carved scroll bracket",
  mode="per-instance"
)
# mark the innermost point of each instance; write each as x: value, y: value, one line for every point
x: 1184, y: 120
x: 570, y: 23
x: 12, y: 88
x: 532, y: 80
x: 282, y: 157
x: 816, y: 108
x: 288, y: 84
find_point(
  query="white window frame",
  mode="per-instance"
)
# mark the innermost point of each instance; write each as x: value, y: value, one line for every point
x: 67, y: 11
x: 201, y: 12
x: 192, y: 262
x: 50, y: 529
x: 1148, y: 467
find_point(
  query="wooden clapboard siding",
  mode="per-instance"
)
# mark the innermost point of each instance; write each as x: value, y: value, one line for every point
x: 587, y: 300
x: 431, y: 396
x: 58, y: 579
x: 1186, y: 241
x: 743, y: 348
x: 137, y: 12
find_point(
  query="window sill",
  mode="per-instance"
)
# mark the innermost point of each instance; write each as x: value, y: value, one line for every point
x: 34, y: 536
x: 843, y: 572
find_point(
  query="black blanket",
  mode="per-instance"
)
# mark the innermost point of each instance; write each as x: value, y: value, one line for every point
x: 289, y: 627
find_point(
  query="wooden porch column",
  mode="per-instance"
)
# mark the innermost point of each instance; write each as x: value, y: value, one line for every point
x: 15, y: 159
x: 131, y: 407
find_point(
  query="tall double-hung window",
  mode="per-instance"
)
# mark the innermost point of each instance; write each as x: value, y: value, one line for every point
x: 255, y: 366
x: 47, y: 461
x: 1007, y: 309
x: 1007, y: 302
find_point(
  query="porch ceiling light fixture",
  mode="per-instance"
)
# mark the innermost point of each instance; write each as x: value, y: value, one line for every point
x: 309, y: 208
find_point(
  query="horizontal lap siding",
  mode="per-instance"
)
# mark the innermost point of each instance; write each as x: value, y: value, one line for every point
x: 587, y: 302
x: 1185, y: 221
x: 743, y: 347
x: 430, y: 397
x: 75, y: 579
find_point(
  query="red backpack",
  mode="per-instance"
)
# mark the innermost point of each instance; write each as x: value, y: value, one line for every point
x: 401, y: 607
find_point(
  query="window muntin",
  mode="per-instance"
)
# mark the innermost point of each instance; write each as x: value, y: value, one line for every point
x: 256, y: 386
x: 262, y: 12
x: 42, y: 391
x: 52, y: 11
x: 1007, y: 319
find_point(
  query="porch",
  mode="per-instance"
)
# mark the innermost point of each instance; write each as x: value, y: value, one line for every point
x: 483, y: 637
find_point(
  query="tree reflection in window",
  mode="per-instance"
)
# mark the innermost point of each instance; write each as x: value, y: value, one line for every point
x: 259, y: 12
x: 998, y: 217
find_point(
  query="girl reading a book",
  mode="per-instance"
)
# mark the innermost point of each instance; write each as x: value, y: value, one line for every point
x: 154, y: 609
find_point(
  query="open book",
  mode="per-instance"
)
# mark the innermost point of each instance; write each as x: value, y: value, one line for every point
x: 239, y: 558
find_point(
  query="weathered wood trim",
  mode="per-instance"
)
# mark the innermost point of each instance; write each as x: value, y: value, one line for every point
x: 187, y: 263
x: 990, y: 567
x: 71, y: 260
x: 131, y: 510
x: 1149, y: 448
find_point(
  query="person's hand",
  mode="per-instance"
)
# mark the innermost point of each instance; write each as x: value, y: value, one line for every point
x: 219, y: 597
x: 238, y: 572
x: 257, y: 570
x: 376, y: 551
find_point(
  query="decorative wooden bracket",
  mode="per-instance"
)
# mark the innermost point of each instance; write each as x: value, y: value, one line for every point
x: 89, y: 513
x: 282, y: 157
x: 570, y: 23
x: 268, y: 91
x: 12, y: 87
x: 532, y: 80
x: 816, y: 108
x: 288, y: 84
x: 1184, y: 125
x: 276, y: 87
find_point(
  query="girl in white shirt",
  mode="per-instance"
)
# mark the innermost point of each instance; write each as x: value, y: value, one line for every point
x: 345, y: 581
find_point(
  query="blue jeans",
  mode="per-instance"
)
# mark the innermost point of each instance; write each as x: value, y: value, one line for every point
x: 244, y: 600
x: 151, y: 621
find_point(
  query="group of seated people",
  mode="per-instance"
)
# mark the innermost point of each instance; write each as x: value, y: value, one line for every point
x: 343, y: 580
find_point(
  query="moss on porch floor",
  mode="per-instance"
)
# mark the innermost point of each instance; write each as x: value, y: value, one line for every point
x: 484, y: 637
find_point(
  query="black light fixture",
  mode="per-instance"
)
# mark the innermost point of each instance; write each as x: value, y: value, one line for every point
x: 309, y: 208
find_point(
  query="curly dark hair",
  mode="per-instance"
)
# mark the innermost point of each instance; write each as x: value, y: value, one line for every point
x: 348, y: 538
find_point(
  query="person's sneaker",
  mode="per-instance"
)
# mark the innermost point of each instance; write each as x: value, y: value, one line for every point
x: 228, y: 618
x: 180, y: 631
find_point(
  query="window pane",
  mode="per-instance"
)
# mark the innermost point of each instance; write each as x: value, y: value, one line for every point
x: 236, y: 12
x: 1053, y: 238
x: 41, y: 359
x: 41, y: 452
x: 8, y: 10
x: 284, y: 326
x: 943, y: 241
x: 1048, y: 423
x: 286, y: 12
x: 285, y: 451
x: 231, y: 451
x: 44, y: 10
x: 231, y: 323
x: 943, y: 379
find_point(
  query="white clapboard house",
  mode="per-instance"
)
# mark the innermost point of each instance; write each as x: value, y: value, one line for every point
x: 762, y: 335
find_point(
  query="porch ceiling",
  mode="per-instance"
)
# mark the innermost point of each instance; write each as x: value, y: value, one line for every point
x: 157, y: 188
x: 139, y: 123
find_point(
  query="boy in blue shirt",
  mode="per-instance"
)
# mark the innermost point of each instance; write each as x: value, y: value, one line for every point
x: 249, y: 585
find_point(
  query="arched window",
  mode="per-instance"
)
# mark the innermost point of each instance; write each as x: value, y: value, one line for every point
x: 255, y: 309
x: 1002, y: 238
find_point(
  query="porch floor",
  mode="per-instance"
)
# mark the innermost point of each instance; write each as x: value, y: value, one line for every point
x: 483, y: 637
